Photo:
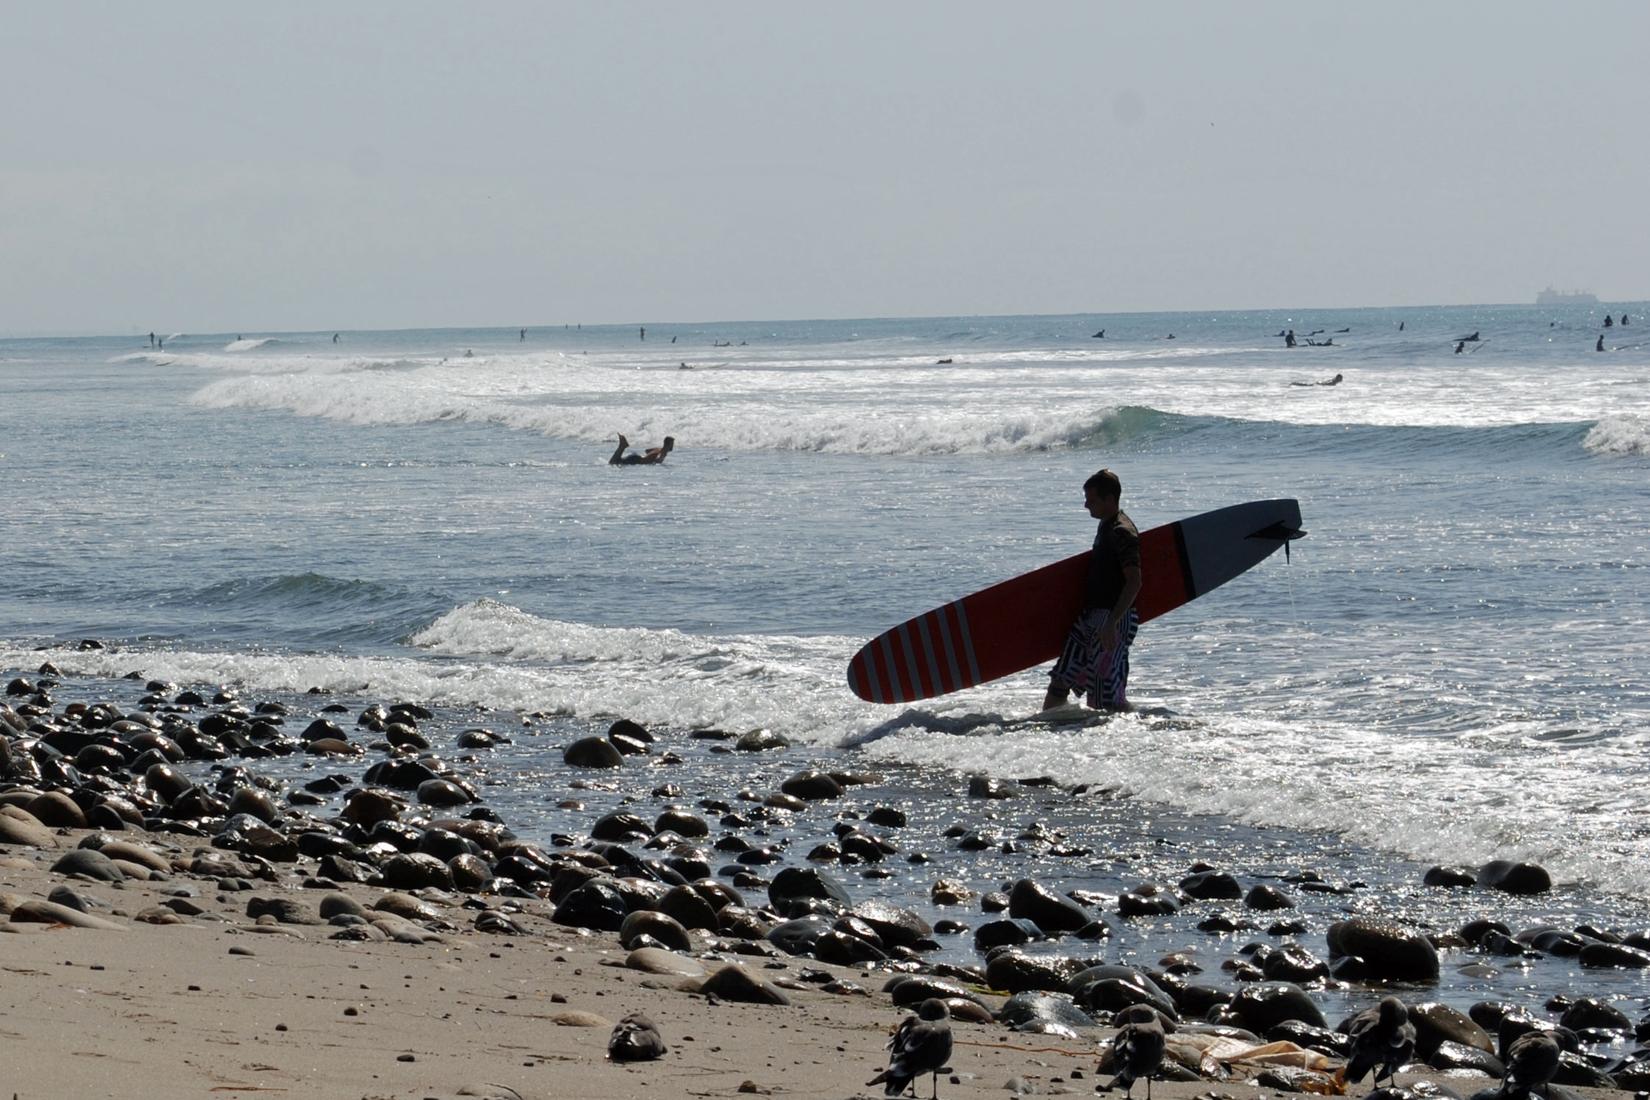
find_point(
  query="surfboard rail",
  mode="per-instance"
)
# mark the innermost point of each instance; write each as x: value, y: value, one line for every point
x: 1023, y: 621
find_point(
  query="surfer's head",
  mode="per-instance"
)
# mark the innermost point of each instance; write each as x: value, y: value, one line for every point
x: 1106, y: 483
x: 1101, y: 494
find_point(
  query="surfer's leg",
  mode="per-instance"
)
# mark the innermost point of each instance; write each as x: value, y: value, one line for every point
x: 1071, y: 671
x: 1110, y: 690
x: 618, y: 452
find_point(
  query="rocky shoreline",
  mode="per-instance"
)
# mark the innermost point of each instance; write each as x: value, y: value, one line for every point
x: 154, y: 816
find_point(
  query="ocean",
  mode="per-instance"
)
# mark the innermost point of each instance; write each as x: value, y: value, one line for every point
x: 1451, y: 668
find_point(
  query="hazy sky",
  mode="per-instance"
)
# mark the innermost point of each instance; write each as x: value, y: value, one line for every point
x: 256, y: 167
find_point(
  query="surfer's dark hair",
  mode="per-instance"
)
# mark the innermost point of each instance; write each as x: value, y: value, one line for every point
x: 1109, y: 484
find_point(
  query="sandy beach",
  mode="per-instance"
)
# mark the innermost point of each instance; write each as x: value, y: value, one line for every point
x: 178, y: 992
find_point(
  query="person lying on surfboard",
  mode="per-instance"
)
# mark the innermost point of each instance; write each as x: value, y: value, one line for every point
x: 651, y: 457
x: 1095, y: 660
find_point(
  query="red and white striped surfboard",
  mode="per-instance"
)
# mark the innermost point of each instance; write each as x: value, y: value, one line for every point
x: 1019, y: 623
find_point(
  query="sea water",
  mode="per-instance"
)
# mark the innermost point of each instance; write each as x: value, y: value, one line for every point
x: 1451, y: 668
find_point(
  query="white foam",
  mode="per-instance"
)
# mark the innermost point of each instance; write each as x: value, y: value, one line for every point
x: 1508, y: 790
x: 1619, y: 435
x: 249, y: 345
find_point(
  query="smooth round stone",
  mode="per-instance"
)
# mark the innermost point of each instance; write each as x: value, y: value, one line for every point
x: 660, y: 927
x: 57, y: 810
x: 592, y: 752
x: 19, y: 827
x: 90, y: 864
x: 442, y: 792
x: 1388, y: 950
x: 734, y: 983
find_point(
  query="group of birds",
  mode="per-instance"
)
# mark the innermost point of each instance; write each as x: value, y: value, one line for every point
x: 1382, y: 1042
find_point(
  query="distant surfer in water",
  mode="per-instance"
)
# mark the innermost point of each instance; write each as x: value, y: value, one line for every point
x: 1335, y: 381
x: 651, y: 457
x: 1095, y: 660
x: 1600, y: 345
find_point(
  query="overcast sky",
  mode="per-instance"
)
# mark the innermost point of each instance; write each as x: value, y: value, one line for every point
x: 258, y: 167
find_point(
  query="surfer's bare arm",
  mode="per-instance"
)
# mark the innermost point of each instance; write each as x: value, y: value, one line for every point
x: 1125, y: 600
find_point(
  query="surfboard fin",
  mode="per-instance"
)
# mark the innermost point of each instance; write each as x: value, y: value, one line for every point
x: 1279, y: 533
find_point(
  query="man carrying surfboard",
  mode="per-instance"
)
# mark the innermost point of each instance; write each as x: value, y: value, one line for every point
x: 1095, y: 660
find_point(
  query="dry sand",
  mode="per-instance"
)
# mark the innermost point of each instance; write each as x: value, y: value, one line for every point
x: 219, y: 1005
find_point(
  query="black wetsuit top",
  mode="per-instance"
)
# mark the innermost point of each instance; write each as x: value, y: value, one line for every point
x: 1116, y: 544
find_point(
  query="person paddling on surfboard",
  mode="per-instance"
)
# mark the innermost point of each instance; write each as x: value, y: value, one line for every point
x: 1095, y: 660
x: 651, y: 457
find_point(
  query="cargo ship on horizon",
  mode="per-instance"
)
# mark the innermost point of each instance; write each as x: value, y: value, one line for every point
x: 1551, y: 297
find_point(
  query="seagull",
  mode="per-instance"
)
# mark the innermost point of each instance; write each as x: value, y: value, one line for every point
x: 1382, y: 1040
x: 635, y: 1039
x: 921, y: 1044
x: 1136, y: 1052
x: 1532, y: 1060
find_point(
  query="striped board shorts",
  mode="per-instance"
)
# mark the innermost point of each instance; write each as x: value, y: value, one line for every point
x: 1087, y: 668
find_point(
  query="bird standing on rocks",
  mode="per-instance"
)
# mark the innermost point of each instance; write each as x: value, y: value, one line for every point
x: 921, y: 1044
x: 1383, y: 1039
x: 1532, y: 1060
x: 1136, y: 1052
x: 635, y: 1039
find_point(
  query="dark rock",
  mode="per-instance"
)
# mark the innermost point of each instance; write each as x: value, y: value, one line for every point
x: 88, y: 864
x: 1437, y: 1023
x: 1590, y: 1012
x: 1333, y: 1043
x: 416, y: 871
x: 1147, y: 900
x: 811, y: 786
x: 1051, y: 912
x: 1211, y: 886
x: 592, y: 752
x: 1454, y: 1056
x: 1039, y: 1006
x: 1448, y: 877
x: 284, y: 910
x: 1015, y: 972
x: 595, y: 904
x: 1514, y: 878
x: 735, y: 983
x: 984, y: 786
x: 1617, y: 955
x: 443, y: 792
x: 635, y: 1039
x: 1010, y: 932
x: 659, y: 927
x: 1265, y: 1005
x: 1389, y: 951
x: 797, y: 937
x: 1265, y: 897
x: 796, y: 883
x: 1294, y: 963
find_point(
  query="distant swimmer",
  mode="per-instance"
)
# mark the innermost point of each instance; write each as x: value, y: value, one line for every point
x: 1289, y: 339
x: 524, y: 336
x: 1473, y: 339
x: 1101, y: 335
x: 151, y: 339
x: 1343, y: 330
x: 1624, y: 318
x: 641, y: 331
x: 1400, y: 326
x: 1335, y: 381
x: 335, y: 338
x: 942, y: 362
x: 1607, y: 321
x: 673, y: 339
x: 1460, y: 346
x: 651, y: 457
x: 468, y: 354
x: 684, y: 366
x: 1169, y: 337
x: 1600, y: 345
